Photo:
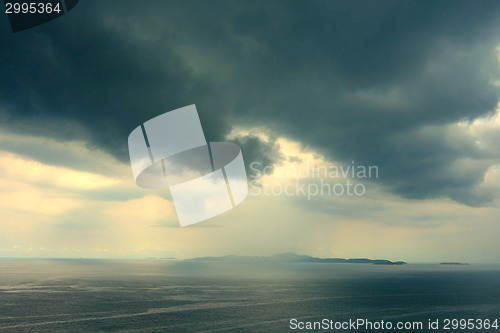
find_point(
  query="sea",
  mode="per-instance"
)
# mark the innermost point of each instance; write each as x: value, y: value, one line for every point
x: 84, y: 295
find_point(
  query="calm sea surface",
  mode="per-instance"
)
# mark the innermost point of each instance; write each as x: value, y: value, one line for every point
x: 172, y: 296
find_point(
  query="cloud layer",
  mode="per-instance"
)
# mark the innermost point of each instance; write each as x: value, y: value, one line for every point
x: 383, y: 84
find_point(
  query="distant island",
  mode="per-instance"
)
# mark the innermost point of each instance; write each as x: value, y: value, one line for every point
x: 453, y: 263
x: 297, y: 258
x: 163, y: 258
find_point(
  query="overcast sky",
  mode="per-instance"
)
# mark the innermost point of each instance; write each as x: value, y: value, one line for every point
x: 411, y: 87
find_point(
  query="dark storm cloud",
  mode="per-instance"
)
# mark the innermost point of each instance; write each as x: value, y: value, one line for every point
x: 365, y: 84
x: 257, y: 151
x: 374, y: 82
x: 89, y: 71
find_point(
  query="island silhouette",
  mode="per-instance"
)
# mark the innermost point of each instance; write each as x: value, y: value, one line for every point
x: 297, y: 258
